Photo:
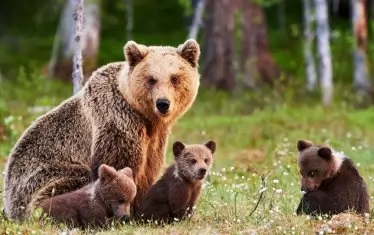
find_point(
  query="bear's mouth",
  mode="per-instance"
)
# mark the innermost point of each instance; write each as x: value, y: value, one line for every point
x: 200, y: 177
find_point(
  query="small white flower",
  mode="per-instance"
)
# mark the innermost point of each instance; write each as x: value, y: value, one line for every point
x: 263, y: 190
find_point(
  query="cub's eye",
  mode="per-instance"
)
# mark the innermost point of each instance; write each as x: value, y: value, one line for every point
x: 193, y: 161
x: 174, y: 80
x: 121, y: 201
x: 206, y: 160
x: 312, y: 173
x: 152, y: 81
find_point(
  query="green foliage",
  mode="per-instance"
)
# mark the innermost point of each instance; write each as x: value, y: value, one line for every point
x: 186, y: 4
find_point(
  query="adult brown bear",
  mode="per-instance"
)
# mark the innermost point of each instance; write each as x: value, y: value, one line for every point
x: 121, y: 117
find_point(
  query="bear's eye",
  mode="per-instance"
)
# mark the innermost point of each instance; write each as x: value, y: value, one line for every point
x: 174, y: 80
x: 121, y: 201
x: 152, y: 81
x: 312, y: 173
x: 206, y: 160
x: 193, y: 161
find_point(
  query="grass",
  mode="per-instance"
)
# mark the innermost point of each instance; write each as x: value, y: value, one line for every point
x: 256, y: 136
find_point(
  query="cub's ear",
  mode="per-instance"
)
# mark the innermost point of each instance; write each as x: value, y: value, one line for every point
x: 106, y: 173
x: 178, y: 148
x: 127, y: 171
x: 134, y: 53
x: 303, y: 144
x: 211, y: 145
x: 190, y: 51
x: 325, y: 153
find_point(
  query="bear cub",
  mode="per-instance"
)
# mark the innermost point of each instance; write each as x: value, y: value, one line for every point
x: 331, y: 181
x: 173, y: 196
x: 108, y: 197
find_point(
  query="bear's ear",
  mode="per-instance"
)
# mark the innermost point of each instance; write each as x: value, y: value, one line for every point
x: 303, y: 144
x: 127, y: 171
x: 178, y: 148
x: 106, y: 172
x: 325, y: 153
x: 211, y: 145
x: 190, y: 51
x: 134, y: 52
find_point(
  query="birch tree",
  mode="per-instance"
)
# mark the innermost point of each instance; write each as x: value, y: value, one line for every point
x: 130, y: 18
x: 324, y: 53
x: 361, y: 73
x: 77, y: 62
x: 61, y: 61
x: 197, y: 19
x: 308, y: 45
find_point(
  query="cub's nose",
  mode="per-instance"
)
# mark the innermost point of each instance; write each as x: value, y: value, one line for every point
x: 202, y: 171
x: 163, y: 105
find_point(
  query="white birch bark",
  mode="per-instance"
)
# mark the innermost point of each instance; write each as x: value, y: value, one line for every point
x: 130, y: 19
x: 197, y: 19
x: 77, y: 60
x: 323, y: 45
x: 361, y: 72
x: 308, y: 45
x: 64, y: 43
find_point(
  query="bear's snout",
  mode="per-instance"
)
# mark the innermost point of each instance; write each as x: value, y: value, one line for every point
x: 163, y: 105
x: 202, y: 172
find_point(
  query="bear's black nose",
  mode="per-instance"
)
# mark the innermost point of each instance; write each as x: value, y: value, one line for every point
x: 163, y: 105
x: 202, y: 171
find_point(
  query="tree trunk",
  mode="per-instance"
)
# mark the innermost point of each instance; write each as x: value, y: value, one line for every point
x: 218, y: 45
x: 335, y: 6
x: 78, y: 16
x: 324, y: 52
x: 197, y: 17
x: 61, y: 62
x: 256, y: 62
x: 361, y: 73
x: 130, y: 18
x: 256, y: 58
x: 282, y: 16
x: 308, y: 45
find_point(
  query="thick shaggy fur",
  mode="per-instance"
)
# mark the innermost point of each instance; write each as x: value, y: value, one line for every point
x: 174, y: 195
x: 114, y: 120
x: 331, y: 181
x: 109, y: 197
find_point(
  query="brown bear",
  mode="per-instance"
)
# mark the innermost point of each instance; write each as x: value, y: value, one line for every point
x: 331, y: 181
x: 121, y: 117
x: 174, y: 195
x: 108, y: 197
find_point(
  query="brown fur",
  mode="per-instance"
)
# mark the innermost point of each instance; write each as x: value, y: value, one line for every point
x: 114, y: 120
x: 174, y: 195
x: 108, y: 197
x: 331, y: 181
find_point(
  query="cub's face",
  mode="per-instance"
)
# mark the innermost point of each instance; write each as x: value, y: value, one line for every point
x: 117, y: 188
x: 163, y: 81
x: 194, y: 161
x: 315, y: 164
